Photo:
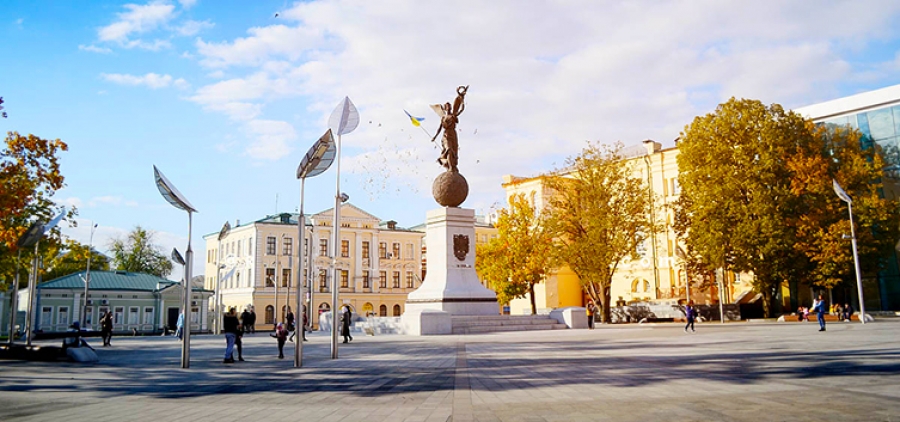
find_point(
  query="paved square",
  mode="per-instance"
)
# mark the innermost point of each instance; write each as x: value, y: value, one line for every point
x: 738, y: 371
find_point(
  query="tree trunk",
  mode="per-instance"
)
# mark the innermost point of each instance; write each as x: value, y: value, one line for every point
x: 604, y: 305
x: 767, y: 298
x: 533, y: 305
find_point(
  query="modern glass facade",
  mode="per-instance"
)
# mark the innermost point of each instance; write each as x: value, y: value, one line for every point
x: 879, y: 125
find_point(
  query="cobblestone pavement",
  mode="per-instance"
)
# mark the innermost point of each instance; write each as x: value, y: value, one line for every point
x: 738, y: 371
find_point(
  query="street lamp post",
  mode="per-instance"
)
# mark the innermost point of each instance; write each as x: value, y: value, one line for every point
x: 314, y: 163
x: 87, y: 278
x: 34, y: 238
x: 177, y: 200
x: 217, y: 300
x: 343, y: 120
x: 846, y: 198
x: 29, y: 239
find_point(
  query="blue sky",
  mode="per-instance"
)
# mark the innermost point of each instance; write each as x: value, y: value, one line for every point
x: 225, y: 97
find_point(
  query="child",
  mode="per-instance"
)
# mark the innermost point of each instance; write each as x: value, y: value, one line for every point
x: 281, y: 335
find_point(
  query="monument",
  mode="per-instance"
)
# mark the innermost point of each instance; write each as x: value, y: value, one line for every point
x: 451, y: 286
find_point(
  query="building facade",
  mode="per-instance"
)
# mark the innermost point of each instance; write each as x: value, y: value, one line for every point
x: 378, y: 262
x: 140, y: 303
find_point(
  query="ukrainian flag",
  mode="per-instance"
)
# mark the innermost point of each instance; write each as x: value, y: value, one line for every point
x: 416, y: 121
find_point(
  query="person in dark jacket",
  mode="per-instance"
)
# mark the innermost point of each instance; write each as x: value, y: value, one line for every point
x: 230, y: 326
x: 346, y: 317
x: 106, y: 327
x: 820, y: 308
x: 245, y: 320
x: 280, y: 334
x: 690, y: 314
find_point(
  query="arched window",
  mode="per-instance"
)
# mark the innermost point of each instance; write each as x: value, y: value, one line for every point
x: 368, y: 309
x: 396, y: 310
x: 270, y: 314
x: 324, y: 307
x: 646, y: 286
x: 634, y: 286
x: 382, y: 310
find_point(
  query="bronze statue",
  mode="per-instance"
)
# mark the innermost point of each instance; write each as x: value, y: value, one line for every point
x: 449, y: 118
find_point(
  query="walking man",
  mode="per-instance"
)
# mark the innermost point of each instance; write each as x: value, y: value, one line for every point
x: 346, y: 317
x: 820, y: 308
x: 690, y: 314
x: 589, y: 310
x: 230, y: 326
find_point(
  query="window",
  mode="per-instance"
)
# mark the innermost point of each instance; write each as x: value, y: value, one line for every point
x: 239, y: 248
x: 46, y: 315
x: 270, y: 314
x: 270, y: 245
x: 305, y: 278
x: 409, y: 251
x: 382, y: 310
x: 396, y: 279
x: 286, y: 277
x: 345, y: 279
x: 270, y: 277
x: 287, y: 247
x: 365, y: 250
x: 382, y: 250
x: 148, y: 315
x: 237, y: 279
x: 323, y: 279
x: 345, y: 248
x: 103, y: 310
x: 195, y: 315
x: 323, y: 247
x: 409, y: 280
x: 366, y: 280
x: 250, y: 247
x: 396, y: 251
x: 368, y: 309
x: 89, y: 316
x: 133, y: 314
x: 118, y: 315
x: 382, y: 281
x: 62, y: 317
x: 396, y: 310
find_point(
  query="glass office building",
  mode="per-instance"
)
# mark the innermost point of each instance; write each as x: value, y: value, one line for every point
x: 877, y: 115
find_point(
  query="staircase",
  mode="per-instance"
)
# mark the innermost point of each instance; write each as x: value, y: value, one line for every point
x: 496, y: 323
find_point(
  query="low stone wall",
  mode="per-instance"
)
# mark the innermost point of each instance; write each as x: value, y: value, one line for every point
x: 635, y: 313
x: 379, y: 325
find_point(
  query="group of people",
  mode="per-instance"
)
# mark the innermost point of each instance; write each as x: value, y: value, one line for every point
x: 820, y: 308
x: 234, y: 329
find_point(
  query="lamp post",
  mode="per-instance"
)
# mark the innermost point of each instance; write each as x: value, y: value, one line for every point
x: 35, y: 237
x: 177, y: 200
x: 846, y: 198
x: 315, y: 162
x: 87, y: 278
x: 31, y: 236
x: 343, y: 120
x: 217, y: 300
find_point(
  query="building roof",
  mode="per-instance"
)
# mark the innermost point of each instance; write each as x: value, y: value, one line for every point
x: 851, y: 105
x: 110, y: 280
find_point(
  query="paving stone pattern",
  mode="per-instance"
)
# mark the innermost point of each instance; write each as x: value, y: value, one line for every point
x: 730, y: 372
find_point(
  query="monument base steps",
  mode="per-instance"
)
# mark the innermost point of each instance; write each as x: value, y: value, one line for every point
x: 471, y: 324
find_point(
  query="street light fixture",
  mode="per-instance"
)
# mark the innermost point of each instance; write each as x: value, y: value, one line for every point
x: 29, y: 238
x: 217, y: 300
x: 846, y: 198
x: 35, y: 237
x: 87, y: 278
x: 177, y: 200
x: 315, y: 162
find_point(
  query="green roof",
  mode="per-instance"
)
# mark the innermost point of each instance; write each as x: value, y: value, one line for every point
x: 110, y: 280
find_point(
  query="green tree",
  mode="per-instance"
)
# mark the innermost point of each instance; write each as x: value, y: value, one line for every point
x: 520, y: 256
x: 137, y: 253
x: 29, y: 177
x: 599, y: 213
x: 73, y: 258
x: 737, y: 210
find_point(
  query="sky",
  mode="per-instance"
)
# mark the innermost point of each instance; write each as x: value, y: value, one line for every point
x: 225, y: 97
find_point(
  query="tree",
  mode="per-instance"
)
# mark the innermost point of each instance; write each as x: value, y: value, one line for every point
x: 599, y: 213
x: 73, y: 258
x: 137, y: 253
x: 839, y: 153
x: 520, y: 256
x: 737, y: 210
x: 29, y: 177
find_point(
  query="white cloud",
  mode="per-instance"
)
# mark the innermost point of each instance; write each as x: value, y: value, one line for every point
x: 137, y: 20
x: 191, y: 27
x: 270, y: 139
x: 70, y: 202
x: 150, y: 80
x: 187, y: 4
x: 94, y: 49
x: 544, y: 78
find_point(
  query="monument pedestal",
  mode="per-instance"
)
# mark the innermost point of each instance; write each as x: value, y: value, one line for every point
x: 451, y: 286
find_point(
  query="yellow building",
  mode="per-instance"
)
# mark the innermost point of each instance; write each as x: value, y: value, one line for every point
x: 658, y: 274
x: 379, y: 264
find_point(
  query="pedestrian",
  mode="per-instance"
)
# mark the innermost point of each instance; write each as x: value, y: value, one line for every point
x: 690, y: 313
x: 848, y: 312
x: 305, y: 323
x: 289, y: 318
x: 838, y: 311
x: 106, y: 327
x: 252, y: 319
x: 179, y: 326
x: 820, y: 308
x: 245, y: 320
x: 238, y: 337
x: 589, y: 310
x: 280, y: 334
x: 346, y: 317
x: 230, y: 327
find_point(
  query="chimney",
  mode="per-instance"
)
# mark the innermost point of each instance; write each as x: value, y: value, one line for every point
x: 237, y: 222
x: 652, y: 146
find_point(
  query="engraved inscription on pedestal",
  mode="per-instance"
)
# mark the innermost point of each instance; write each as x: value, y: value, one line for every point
x: 460, y: 246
